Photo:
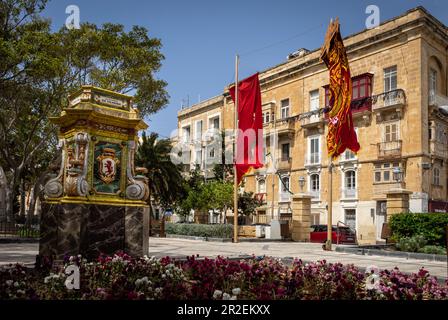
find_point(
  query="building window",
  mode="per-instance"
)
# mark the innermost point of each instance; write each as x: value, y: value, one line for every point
x: 285, y: 185
x: 285, y: 152
x: 440, y: 133
x: 315, y: 185
x: 377, y: 176
x: 211, y: 153
x: 186, y: 134
x: 350, y: 180
x: 349, y: 155
x: 214, y: 123
x: 432, y: 85
x: 361, y: 87
x: 390, y: 84
x: 314, y: 100
x: 284, y: 189
x: 391, y: 132
x: 350, y: 218
x: 285, y: 108
x: 266, y: 117
x: 198, y: 159
x: 383, y: 172
x: 198, y: 133
x: 262, y: 186
x: 436, y: 176
x: 314, y: 150
x: 390, y: 79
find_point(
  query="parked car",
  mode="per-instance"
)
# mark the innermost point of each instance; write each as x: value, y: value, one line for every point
x: 340, y: 234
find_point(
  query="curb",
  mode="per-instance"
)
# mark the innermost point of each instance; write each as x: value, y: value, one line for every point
x: 395, y: 254
x: 19, y: 240
x: 212, y: 239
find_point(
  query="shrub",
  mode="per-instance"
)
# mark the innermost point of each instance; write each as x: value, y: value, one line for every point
x: 433, y: 250
x: 200, y: 230
x: 411, y: 244
x: 430, y: 225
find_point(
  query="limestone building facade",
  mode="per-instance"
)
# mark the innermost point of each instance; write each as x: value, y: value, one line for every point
x: 400, y: 111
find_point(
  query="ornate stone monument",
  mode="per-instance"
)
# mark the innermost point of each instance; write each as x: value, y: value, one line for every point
x: 96, y: 202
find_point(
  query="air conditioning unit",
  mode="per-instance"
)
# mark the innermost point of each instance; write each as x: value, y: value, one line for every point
x: 426, y: 165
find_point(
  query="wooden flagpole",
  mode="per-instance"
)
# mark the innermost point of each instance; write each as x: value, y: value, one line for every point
x: 235, y: 178
x: 330, y: 206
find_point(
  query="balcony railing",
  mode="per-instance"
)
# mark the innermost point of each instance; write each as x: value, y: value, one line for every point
x: 312, y: 159
x: 390, y: 149
x: 315, y: 194
x: 285, y: 197
x: 437, y: 99
x: 348, y: 193
x: 438, y: 149
x: 312, y: 119
x: 390, y: 99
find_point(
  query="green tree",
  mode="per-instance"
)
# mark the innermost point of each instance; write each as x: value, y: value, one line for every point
x: 39, y: 68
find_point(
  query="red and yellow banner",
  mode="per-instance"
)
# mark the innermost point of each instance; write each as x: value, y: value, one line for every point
x: 341, y: 133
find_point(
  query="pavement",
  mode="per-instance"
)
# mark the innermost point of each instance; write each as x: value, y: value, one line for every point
x: 160, y: 247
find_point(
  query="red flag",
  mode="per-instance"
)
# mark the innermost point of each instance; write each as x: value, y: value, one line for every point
x: 249, y: 152
x: 341, y: 133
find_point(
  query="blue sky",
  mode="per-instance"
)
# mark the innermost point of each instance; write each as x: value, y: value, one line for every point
x: 200, y: 38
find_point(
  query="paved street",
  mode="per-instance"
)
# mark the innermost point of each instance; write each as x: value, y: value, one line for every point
x: 159, y: 247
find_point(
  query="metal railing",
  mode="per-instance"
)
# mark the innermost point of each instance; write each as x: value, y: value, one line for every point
x: 389, y: 149
x: 19, y: 228
x: 389, y: 98
x: 348, y: 193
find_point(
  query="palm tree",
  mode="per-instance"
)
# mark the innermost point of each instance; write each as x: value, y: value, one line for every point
x: 165, y: 179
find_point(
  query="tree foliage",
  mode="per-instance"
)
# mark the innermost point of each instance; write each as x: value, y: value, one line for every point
x: 39, y: 68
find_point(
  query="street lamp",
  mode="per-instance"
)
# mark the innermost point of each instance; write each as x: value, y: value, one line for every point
x: 397, y: 174
x: 301, y: 182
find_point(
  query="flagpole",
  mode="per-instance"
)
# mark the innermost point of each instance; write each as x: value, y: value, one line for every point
x: 330, y: 206
x: 235, y: 178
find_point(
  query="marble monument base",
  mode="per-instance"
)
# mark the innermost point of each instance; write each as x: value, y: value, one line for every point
x: 91, y: 230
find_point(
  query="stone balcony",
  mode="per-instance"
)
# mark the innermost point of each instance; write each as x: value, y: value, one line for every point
x: 389, y: 150
x: 437, y: 100
x: 389, y: 102
x: 313, y: 120
x: 438, y: 149
x: 282, y: 127
x: 284, y: 164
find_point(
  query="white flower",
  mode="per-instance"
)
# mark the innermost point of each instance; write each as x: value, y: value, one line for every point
x: 163, y: 276
x: 233, y: 298
x: 138, y: 282
x: 217, y: 294
x: 21, y: 291
x: 16, y: 284
x: 236, y: 291
x: 226, y: 296
x: 9, y: 282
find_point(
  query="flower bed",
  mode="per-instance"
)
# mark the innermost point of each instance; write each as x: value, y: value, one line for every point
x: 122, y: 277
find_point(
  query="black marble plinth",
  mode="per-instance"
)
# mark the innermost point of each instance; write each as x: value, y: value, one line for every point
x: 91, y: 230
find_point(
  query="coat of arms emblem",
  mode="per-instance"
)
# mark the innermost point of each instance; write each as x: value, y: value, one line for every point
x: 107, y: 168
